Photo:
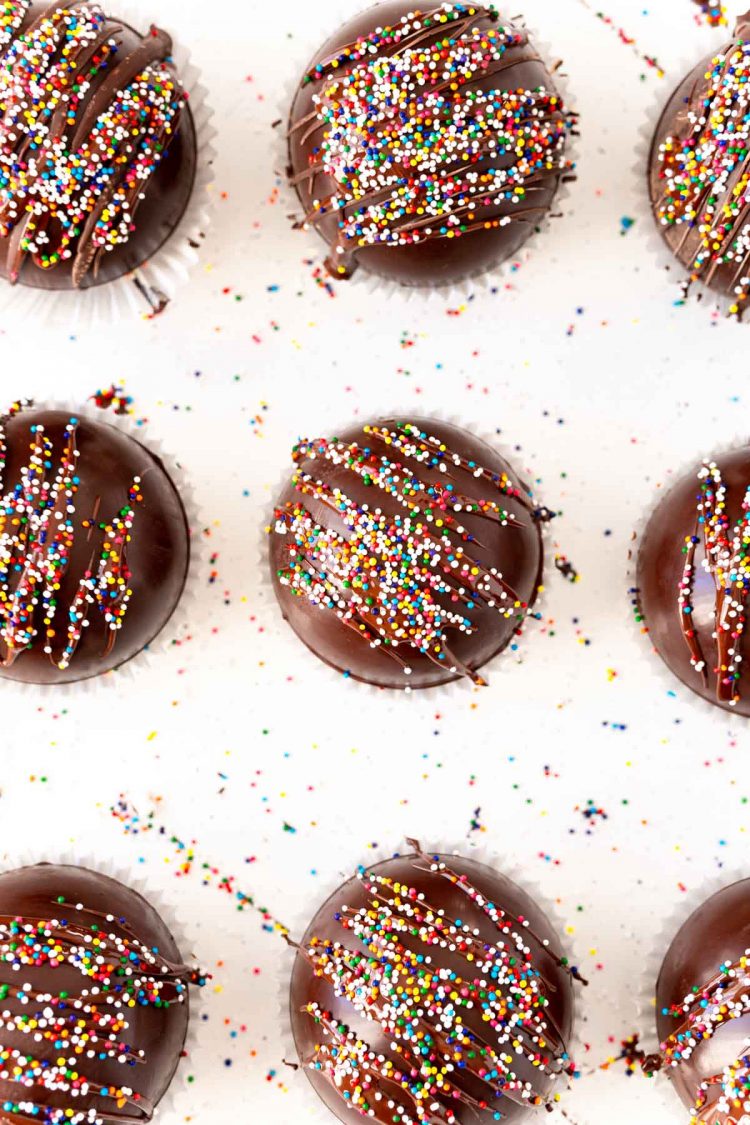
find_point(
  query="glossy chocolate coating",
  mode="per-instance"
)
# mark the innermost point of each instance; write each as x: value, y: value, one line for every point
x: 32, y: 893
x: 517, y: 552
x: 166, y: 196
x: 511, y: 899
x: 158, y: 554
x: 437, y: 261
x: 718, y: 932
x: 685, y: 242
x: 660, y: 567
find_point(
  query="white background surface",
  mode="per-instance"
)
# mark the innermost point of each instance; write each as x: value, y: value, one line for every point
x: 236, y: 732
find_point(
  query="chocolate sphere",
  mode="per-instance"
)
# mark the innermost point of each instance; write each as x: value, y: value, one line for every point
x: 94, y: 547
x: 703, y: 1011
x: 411, y: 984
x: 698, y: 180
x: 95, y: 1002
x: 693, y: 580
x: 102, y: 203
x: 456, y: 181
x: 405, y: 554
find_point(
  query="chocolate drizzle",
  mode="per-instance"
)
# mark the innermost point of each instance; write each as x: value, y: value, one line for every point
x: 37, y: 534
x: 410, y: 977
x: 700, y: 174
x: 81, y: 134
x: 385, y: 532
x: 411, y: 138
x: 727, y: 561
x: 721, y: 1099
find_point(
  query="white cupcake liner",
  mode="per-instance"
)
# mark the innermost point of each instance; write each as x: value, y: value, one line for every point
x: 465, y: 849
x: 169, y: 914
x: 684, y: 908
x: 666, y: 680
x: 454, y: 292
x: 143, y: 660
x: 667, y: 263
x: 170, y: 267
x: 461, y: 686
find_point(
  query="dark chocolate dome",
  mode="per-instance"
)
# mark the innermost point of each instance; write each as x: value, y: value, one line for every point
x: 457, y: 180
x: 703, y: 1010
x: 94, y: 547
x: 693, y: 580
x: 405, y: 553
x: 411, y: 985
x: 95, y: 1006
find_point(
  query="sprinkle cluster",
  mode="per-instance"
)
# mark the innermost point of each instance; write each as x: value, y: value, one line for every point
x: 71, y: 178
x: 416, y: 147
x: 398, y: 581
x: 37, y: 533
x: 12, y: 15
x: 701, y: 1015
x: 706, y: 176
x: 714, y: 13
x: 118, y: 973
x: 449, y: 1030
x: 727, y: 561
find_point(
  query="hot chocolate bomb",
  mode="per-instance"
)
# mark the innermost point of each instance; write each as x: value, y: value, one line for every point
x: 94, y: 1002
x: 94, y: 547
x: 426, y: 144
x: 98, y: 149
x: 693, y: 580
x: 405, y: 554
x: 431, y: 988
x: 703, y: 1011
